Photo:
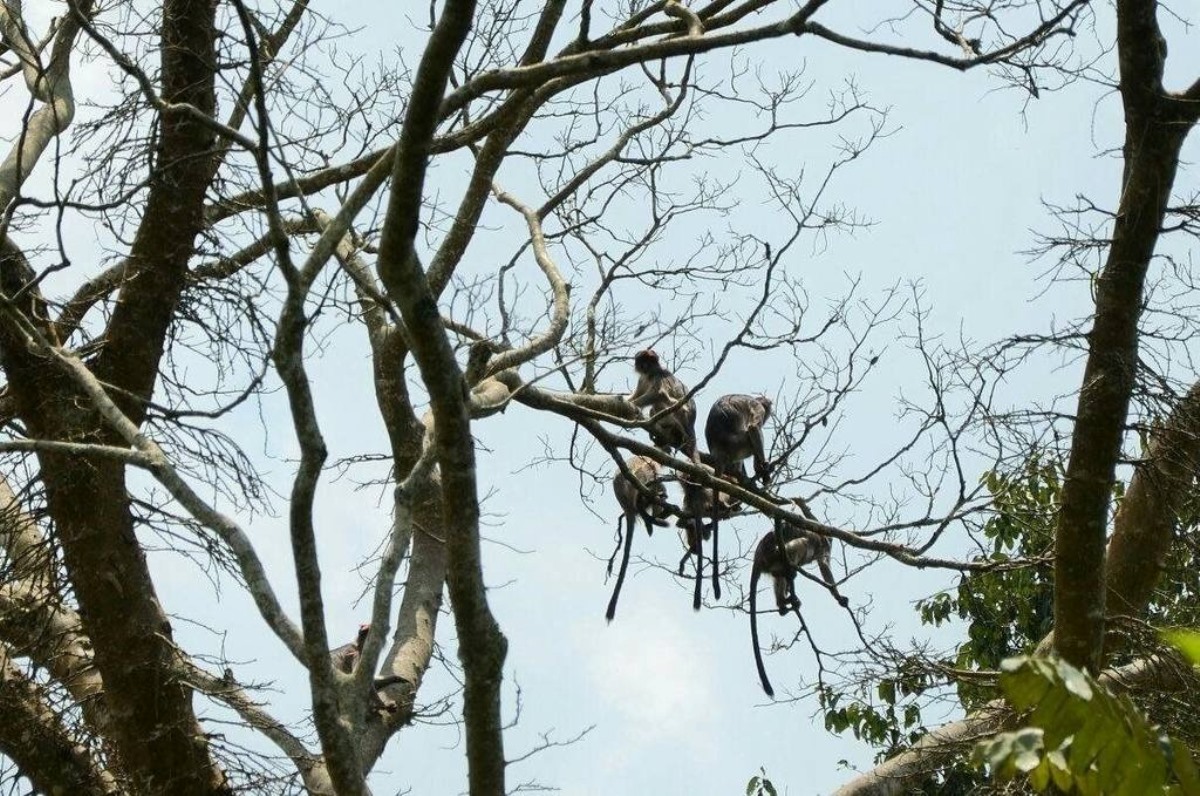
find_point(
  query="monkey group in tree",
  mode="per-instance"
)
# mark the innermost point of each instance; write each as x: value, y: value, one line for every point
x: 780, y: 554
x: 636, y: 504
x: 733, y: 433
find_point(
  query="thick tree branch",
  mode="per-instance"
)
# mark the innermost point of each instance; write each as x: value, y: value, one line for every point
x: 482, y: 647
x: 50, y: 85
x: 1144, y: 525
x: 1152, y: 147
x: 34, y: 737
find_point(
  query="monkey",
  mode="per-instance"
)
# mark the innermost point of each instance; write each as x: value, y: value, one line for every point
x: 633, y: 505
x: 700, y: 502
x: 345, y: 658
x: 659, y: 389
x: 733, y: 431
x: 780, y: 554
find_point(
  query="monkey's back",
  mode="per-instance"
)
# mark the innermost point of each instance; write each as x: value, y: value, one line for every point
x: 726, y: 426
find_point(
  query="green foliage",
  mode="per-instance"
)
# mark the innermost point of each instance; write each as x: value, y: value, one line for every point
x: 886, y: 721
x: 1008, y: 612
x: 1186, y: 641
x: 1082, y: 739
x: 1177, y: 599
x: 759, y: 785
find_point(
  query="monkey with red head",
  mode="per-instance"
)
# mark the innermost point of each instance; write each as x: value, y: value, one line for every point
x: 659, y: 389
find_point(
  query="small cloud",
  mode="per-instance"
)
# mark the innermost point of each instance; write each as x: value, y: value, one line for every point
x: 654, y: 673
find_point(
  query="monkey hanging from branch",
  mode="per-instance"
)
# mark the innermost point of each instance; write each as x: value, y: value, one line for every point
x: 780, y: 554
x: 636, y: 504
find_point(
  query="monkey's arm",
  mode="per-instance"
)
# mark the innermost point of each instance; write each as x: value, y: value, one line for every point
x: 642, y: 395
x: 755, y: 436
x: 827, y: 574
x: 644, y: 399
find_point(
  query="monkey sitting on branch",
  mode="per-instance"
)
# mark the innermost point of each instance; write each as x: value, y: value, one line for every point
x: 636, y: 504
x: 659, y: 389
x: 699, y: 503
x: 734, y: 431
x: 345, y: 658
x: 780, y: 554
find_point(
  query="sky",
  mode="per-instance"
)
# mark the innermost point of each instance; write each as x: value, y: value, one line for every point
x: 956, y: 193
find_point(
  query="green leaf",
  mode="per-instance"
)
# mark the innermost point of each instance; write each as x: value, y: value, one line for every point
x: 887, y: 691
x: 1060, y: 772
x: 1027, y: 749
x: 1039, y: 777
x: 1101, y: 744
x: 1186, y: 641
x: 1184, y: 768
x: 1075, y: 681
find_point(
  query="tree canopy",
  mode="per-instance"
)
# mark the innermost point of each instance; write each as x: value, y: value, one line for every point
x: 289, y: 297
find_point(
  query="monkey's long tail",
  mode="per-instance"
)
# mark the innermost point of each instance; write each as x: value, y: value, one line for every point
x: 699, y: 564
x: 716, y: 574
x: 617, y: 549
x: 758, y: 661
x: 616, y: 595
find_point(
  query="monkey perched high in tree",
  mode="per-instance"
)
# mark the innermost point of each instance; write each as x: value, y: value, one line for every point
x: 635, y: 504
x: 780, y: 554
x: 658, y: 389
x: 346, y: 657
x: 733, y: 432
x: 700, y: 502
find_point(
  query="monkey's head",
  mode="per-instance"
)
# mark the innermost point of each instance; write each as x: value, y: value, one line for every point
x: 765, y: 403
x: 647, y: 362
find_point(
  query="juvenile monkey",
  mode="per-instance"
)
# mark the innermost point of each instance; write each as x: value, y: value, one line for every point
x: 780, y: 554
x: 345, y: 658
x: 700, y: 502
x: 658, y: 389
x: 633, y: 505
